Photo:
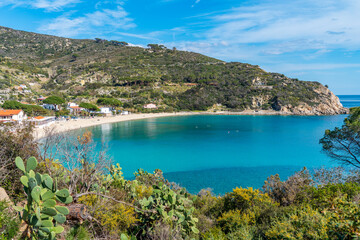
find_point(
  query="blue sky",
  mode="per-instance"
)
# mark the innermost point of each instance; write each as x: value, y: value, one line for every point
x: 305, y: 39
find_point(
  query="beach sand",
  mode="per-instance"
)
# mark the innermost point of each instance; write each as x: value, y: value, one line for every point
x: 73, y: 124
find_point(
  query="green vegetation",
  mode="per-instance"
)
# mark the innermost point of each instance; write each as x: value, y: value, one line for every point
x: 89, y: 106
x: 9, y: 223
x: 343, y: 144
x: 112, y: 102
x: 30, y: 110
x: 321, y: 205
x: 41, y: 214
x: 174, y: 80
x: 54, y: 100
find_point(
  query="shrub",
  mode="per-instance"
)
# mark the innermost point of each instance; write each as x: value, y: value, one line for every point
x: 305, y: 223
x: 9, y: 223
x: 235, y: 219
x: 286, y: 193
x: 243, y: 199
x: 167, y: 206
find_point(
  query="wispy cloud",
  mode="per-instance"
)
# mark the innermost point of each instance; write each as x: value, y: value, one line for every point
x: 49, y: 5
x: 279, y: 27
x: 196, y: 2
x: 110, y: 20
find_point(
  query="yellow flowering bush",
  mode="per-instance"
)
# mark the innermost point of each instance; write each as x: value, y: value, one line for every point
x: 245, y: 198
x: 235, y: 219
x: 114, y: 218
x: 305, y: 223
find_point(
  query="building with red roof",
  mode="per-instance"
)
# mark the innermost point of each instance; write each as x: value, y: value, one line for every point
x: 8, y: 115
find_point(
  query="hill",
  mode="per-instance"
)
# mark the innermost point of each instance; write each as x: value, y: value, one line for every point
x: 83, y: 70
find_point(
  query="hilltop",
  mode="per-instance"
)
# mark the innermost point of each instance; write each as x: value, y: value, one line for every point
x: 83, y: 70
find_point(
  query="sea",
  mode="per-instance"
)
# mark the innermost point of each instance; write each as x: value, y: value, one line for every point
x: 220, y: 152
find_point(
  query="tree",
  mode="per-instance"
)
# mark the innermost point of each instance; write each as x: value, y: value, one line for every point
x: 343, y: 144
x: 156, y: 47
x: 30, y: 110
x: 12, y: 104
x: 112, y: 102
x: 89, y: 106
x: 34, y: 110
x: 55, y: 100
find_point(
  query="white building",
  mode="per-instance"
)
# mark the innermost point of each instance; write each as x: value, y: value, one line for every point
x: 75, y: 110
x: 50, y: 107
x: 12, y: 115
x: 71, y: 104
x: 106, y: 111
x: 150, y: 106
x: 42, y: 121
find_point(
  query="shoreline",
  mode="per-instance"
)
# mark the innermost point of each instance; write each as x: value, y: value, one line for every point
x: 76, y: 124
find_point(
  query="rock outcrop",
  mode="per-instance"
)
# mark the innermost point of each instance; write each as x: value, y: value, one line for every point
x: 327, y: 103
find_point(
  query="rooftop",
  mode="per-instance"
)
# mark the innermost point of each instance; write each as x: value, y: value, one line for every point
x: 6, y: 112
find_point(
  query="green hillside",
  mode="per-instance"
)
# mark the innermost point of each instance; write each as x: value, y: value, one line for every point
x: 173, y: 79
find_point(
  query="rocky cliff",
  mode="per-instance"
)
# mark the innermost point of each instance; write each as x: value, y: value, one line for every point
x: 327, y: 103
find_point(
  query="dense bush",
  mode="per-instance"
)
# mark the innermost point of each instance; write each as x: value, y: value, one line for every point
x: 324, y: 205
x: 9, y: 223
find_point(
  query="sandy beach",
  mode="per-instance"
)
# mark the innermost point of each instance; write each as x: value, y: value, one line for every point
x: 74, y: 124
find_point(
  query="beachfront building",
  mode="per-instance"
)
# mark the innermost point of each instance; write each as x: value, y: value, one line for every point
x: 106, y: 111
x: 75, y: 110
x: 7, y: 115
x: 150, y: 106
x: 71, y: 104
x: 40, y: 121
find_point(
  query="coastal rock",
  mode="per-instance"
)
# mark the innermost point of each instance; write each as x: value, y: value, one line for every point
x: 327, y: 103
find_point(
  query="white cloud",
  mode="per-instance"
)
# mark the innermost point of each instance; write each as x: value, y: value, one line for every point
x: 49, y: 5
x: 140, y: 36
x: 109, y: 20
x: 279, y: 27
x: 196, y: 2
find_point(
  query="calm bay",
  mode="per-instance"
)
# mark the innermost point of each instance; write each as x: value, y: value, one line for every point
x: 220, y: 151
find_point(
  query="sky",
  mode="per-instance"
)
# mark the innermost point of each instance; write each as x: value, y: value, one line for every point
x: 312, y: 40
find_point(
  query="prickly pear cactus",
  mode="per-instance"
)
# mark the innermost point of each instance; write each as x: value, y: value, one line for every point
x: 174, y: 208
x: 41, y: 213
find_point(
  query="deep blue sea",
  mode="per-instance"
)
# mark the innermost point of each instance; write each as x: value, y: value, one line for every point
x: 220, y: 152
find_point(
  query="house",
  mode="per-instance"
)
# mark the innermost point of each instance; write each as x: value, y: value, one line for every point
x: 150, y: 106
x: 7, y: 115
x: 51, y: 107
x: 40, y: 99
x: 23, y: 86
x: 71, y: 104
x: 75, y: 110
x: 40, y: 121
x: 106, y: 111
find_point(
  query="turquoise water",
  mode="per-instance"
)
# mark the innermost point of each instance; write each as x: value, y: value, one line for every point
x: 218, y: 152
x: 350, y: 100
